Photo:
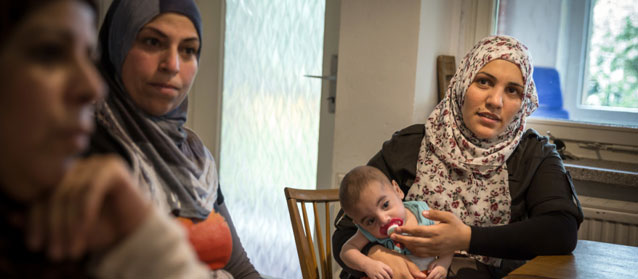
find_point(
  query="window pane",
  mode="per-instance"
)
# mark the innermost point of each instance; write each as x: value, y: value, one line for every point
x: 270, y: 121
x: 613, y: 55
x: 536, y: 24
x: 585, y: 56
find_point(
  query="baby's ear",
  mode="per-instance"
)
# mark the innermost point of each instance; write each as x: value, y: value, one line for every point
x: 397, y: 189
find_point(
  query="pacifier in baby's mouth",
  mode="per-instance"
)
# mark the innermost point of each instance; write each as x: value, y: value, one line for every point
x: 389, y: 228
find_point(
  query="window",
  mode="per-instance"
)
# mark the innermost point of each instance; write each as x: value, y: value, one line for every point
x: 585, y: 54
x: 611, y: 79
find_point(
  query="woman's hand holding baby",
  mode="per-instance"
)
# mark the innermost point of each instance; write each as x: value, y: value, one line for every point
x: 446, y: 237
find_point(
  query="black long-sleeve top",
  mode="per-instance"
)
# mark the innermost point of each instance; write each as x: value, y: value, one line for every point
x: 545, y: 209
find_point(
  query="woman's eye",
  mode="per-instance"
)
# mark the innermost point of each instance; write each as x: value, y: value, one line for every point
x: 47, y: 53
x: 190, y: 50
x: 151, y: 42
x: 512, y: 90
x: 482, y: 81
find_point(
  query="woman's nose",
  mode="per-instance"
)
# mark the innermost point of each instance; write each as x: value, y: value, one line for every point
x: 170, y: 61
x: 495, y: 98
x: 85, y: 83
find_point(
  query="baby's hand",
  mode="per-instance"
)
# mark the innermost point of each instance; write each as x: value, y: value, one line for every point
x: 437, y: 271
x: 377, y: 270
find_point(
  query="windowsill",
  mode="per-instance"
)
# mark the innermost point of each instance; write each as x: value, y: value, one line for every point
x: 599, y: 173
x: 579, y: 124
x: 604, y: 179
x: 607, y: 172
x: 616, y: 144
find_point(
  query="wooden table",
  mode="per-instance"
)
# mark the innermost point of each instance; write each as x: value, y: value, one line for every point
x: 590, y: 259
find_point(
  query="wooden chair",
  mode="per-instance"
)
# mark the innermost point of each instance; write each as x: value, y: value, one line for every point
x: 303, y: 234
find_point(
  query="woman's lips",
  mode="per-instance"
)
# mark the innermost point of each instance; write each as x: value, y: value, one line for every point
x: 78, y: 138
x: 489, y: 117
x: 165, y: 88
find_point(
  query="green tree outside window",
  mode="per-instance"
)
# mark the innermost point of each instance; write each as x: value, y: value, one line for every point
x: 613, y: 55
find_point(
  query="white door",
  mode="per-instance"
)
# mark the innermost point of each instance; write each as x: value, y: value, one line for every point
x: 270, y: 121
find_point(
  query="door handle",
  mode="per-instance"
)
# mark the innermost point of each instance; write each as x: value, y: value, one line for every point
x: 322, y: 77
x: 332, y: 90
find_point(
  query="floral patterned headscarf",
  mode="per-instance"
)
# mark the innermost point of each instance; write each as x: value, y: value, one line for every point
x: 457, y: 171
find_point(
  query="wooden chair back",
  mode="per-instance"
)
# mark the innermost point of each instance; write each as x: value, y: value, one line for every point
x: 310, y: 262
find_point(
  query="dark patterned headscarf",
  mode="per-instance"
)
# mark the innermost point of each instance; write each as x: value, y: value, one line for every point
x: 457, y: 171
x: 172, y: 164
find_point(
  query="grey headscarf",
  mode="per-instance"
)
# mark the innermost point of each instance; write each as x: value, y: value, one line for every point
x: 131, y: 16
x: 172, y: 165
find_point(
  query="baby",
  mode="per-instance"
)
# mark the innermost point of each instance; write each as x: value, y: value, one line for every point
x: 376, y: 207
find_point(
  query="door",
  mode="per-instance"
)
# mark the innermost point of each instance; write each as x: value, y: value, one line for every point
x: 270, y: 121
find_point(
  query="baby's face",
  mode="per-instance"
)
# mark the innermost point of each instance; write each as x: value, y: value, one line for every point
x: 377, y: 205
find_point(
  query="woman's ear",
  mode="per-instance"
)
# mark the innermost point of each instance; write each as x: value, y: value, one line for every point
x: 397, y: 189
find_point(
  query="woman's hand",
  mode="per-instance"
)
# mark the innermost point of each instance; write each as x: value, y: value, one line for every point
x: 440, y: 239
x: 401, y: 266
x: 95, y: 206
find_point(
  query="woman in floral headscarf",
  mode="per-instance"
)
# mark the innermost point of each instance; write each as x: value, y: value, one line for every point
x: 500, y: 192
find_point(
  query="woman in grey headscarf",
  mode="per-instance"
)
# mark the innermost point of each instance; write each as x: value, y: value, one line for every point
x: 150, y: 55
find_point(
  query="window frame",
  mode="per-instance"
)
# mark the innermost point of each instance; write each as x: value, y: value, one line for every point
x: 574, y: 43
x: 572, y: 48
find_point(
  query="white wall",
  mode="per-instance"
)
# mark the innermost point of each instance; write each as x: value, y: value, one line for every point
x: 205, y: 97
x: 376, y: 79
x: 435, y: 39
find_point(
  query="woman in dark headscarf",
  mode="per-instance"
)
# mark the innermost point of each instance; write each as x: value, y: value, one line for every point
x: 150, y: 55
x: 63, y: 216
